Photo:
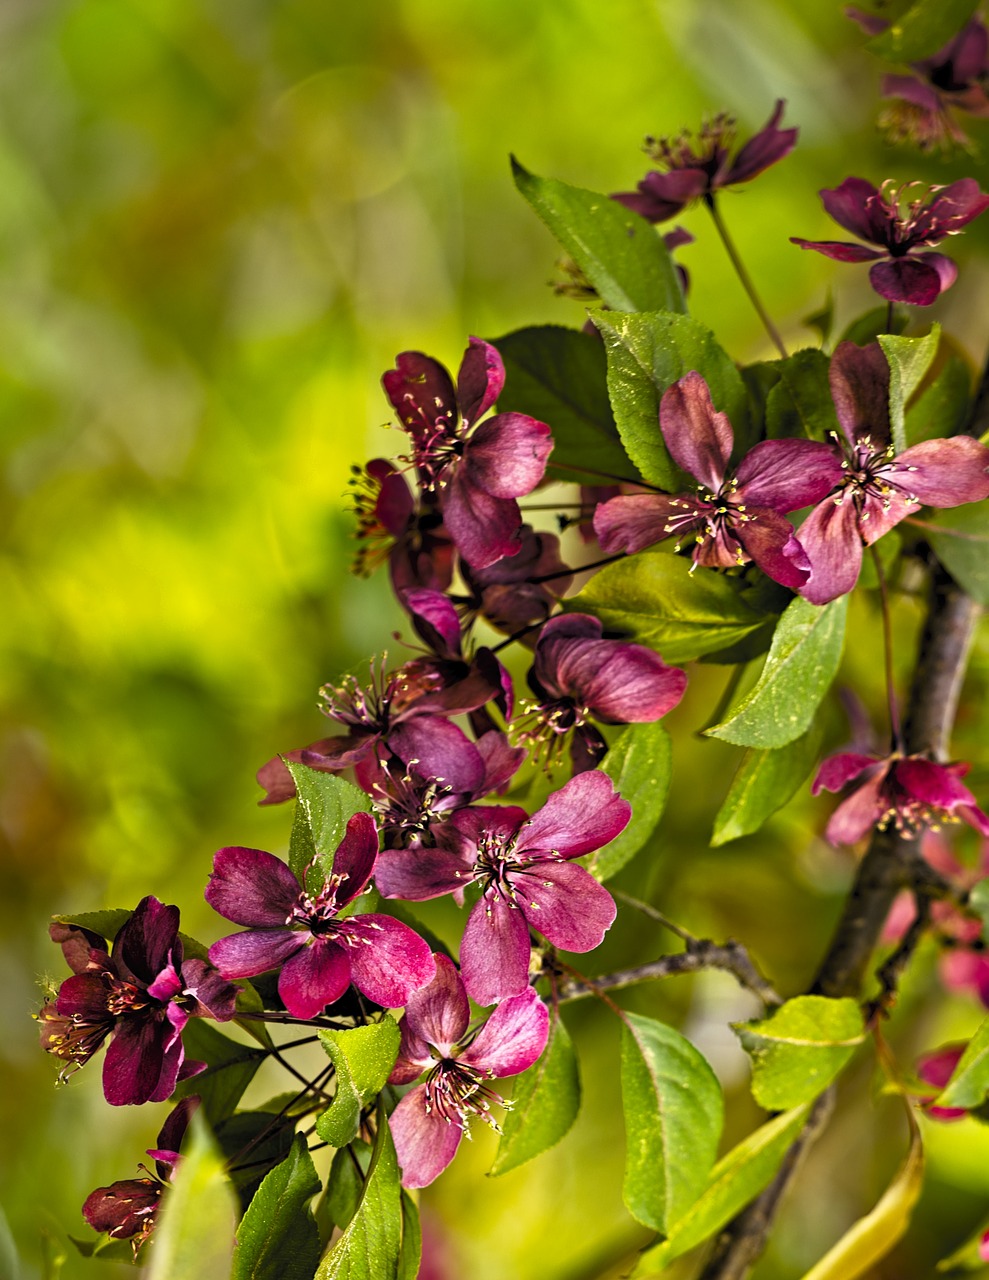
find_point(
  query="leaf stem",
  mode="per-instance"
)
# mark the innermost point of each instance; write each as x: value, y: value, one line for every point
x: 743, y: 275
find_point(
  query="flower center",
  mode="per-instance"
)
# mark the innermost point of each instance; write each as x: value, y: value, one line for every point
x: 457, y: 1093
x: 868, y: 478
x: 124, y: 998
x: 408, y: 804
x: 705, y: 150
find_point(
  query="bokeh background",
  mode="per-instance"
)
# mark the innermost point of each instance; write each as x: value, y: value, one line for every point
x: 219, y: 222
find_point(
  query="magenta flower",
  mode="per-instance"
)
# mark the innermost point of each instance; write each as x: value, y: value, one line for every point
x: 474, y: 473
x: 900, y: 272
x: 936, y: 1069
x: 908, y: 792
x: 430, y: 1120
x: 694, y: 168
x: 576, y: 675
x: 732, y: 519
x: 301, y: 934
x: 878, y: 488
x: 393, y: 526
x: 455, y: 683
x: 523, y: 869
x: 127, y: 1210
x: 142, y: 993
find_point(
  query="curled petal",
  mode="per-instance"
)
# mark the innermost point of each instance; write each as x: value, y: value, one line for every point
x: 856, y: 205
x: 856, y: 816
x: 425, y: 1141
x: 769, y: 540
x: 765, y: 148
x: 439, y: 1012
x: 421, y: 392
x: 251, y: 886
x: 839, y: 250
x: 662, y: 195
x: 354, y: 859
x: 136, y: 1066
x: 480, y: 380
x: 512, y: 1038
x: 145, y: 942
x: 435, y: 618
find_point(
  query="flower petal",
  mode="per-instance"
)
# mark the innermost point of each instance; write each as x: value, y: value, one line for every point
x: 245, y: 955
x: 435, y: 618
x: 494, y: 952
x: 698, y: 437
x: 618, y: 682
x: 355, y: 857
x: 132, y: 1068
x: 419, y: 874
x: 859, y: 379
x: 830, y: 537
x: 944, y: 473
x: 856, y: 205
x: 314, y: 977
x: 250, y: 886
x: 909, y: 280
x: 635, y: 521
x: 839, y: 250
x: 484, y: 528
x: 512, y: 1038
x: 480, y: 380
x: 766, y: 147
x: 391, y: 962
x: 956, y: 205
x: 506, y: 456
x: 425, y: 1142
x: 145, y: 942
x: 421, y: 392
x: 856, y: 816
x: 662, y: 195
x: 439, y: 1012
x: 582, y: 816
x: 769, y: 540
x: 565, y: 903
x: 786, y: 475
x: 836, y: 771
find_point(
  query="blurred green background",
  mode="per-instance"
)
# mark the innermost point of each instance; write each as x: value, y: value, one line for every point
x: 219, y: 222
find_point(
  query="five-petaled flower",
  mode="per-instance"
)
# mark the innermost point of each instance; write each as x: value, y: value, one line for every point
x: 523, y: 869
x: 430, y: 1120
x: 301, y: 933
x: 695, y: 167
x: 732, y: 519
x: 900, y: 271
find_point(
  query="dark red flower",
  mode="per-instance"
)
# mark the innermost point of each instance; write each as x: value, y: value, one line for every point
x: 392, y: 525
x: 520, y: 590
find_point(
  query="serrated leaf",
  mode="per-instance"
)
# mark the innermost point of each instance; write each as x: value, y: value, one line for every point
x: 654, y: 598
x: 942, y: 409
x: 802, y: 661
x: 969, y: 1081
x: 763, y: 783
x: 371, y: 1246
x: 640, y: 764
x: 648, y: 353
x: 620, y: 253
x: 799, y: 1049
x: 674, y: 1110
x: 872, y: 1237
x: 195, y: 1233
x: 545, y: 1103
x: 277, y: 1237
x: 735, y: 1180
x: 560, y: 376
x: 908, y: 359
x: 363, y: 1058
x: 963, y: 547
x: 924, y: 29
x: 800, y: 404
x: 324, y: 806
x: 230, y: 1068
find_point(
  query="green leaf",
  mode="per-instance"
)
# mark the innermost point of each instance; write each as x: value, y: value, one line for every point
x: 674, y: 1111
x: 363, y: 1058
x: 194, y: 1236
x: 107, y: 923
x: 411, y: 1255
x: 560, y: 376
x: 345, y: 1183
x: 230, y: 1068
x: 640, y: 764
x: 868, y: 327
x: 925, y: 28
x: 266, y: 1145
x: 800, y: 404
x: 647, y: 354
x: 942, y: 408
x: 371, y: 1246
x: 963, y: 547
x: 763, y: 783
x: 654, y: 598
x: 277, y: 1238
x: 969, y: 1081
x: 872, y: 1237
x: 799, y: 1049
x: 802, y: 662
x: 735, y: 1180
x: 324, y: 806
x: 621, y: 254
x: 909, y: 359
x: 544, y: 1104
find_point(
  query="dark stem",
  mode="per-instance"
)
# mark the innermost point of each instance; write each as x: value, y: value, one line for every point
x: 578, y: 568
x: 743, y: 275
x: 893, y: 968
x: 601, y: 475
x: 889, y: 317
x: 517, y: 635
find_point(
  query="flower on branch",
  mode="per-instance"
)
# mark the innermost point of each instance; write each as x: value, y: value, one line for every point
x: 731, y: 518
x: 393, y: 526
x: 142, y: 993
x: 693, y: 167
x: 430, y: 1120
x: 524, y: 871
x: 301, y: 932
x: 901, y: 272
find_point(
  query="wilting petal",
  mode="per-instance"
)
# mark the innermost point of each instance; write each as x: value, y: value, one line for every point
x: 216, y: 996
x: 145, y: 942
x: 909, y: 280
x: 512, y: 1038
x: 769, y: 540
x: 132, y: 1067
x: 439, y: 1012
x: 494, y: 952
x: 565, y: 903
x: 856, y: 816
x: 421, y: 392
x: 582, y: 816
x: 314, y: 977
x: 856, y: 205
x: 480, y: 380
x: 245, y: 955
x: 484, y: 528
x: 837, y: 771
x: 698, y: 437
x: 944, y: 473
x: 419, y: 874
x: 839, y: 250
x: 830, y: 536
x: 506, y: 456
x: 425, y: 1143
x: 786, y: 475
x: 78, y: 946
x: 768, y: 146
x: 355, y: 855
x: 123, y: 1208
x: 391, y: 962
x: 635, y: 521
x: 250, y: 886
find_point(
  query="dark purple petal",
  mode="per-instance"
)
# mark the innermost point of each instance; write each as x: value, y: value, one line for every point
x: 356, y: 853
x: 944, y: 473
x: 314, y: 977
x: 870, y: 23
x: 435, y: 618
x: 769, y: 540
x: 565, y: 903
x: 395, y: 505
x: 620, y: 683
x: 419, y: 874
x: 135, y: 1058
x: 856, y: 816
x: 494, y: 952
x: 512, y: 1038
x: 439, y: 1013
x: 390, y: 962
x: 969, y: 51
x: 250, y: 886
x: 859, y: 379
x: 839, y: 250
x: 480, y: 380
x: 699, y: 439
x: 245, y: 955
x: 786, y: 475
x: 83, y: 996
x: 434, y: 748
x: 145, y: 942
x: 123, y: 1208
x: 635, y: 521
x: 582, y: 816
x: 908, y: 280
x: 662, y: 195
x: 421, y: 392
x: 506, y: 456
x: 172, y: 1134
x: 856, y: 205
x: 501, y: 761
x: 216, y: 997
x: 956, y: 205
x: 768, y: 146
x: 483, y: 528
x: 78, y: 946
x: 830, y: 537
x: 836, y: 771
x: 425, y: 1142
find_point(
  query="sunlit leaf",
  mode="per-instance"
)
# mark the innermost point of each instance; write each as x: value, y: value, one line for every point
x: 640, y: 764
x: 324, y: 806
x: 763, y: 783
x: 363, y: 1058
x: 799, y: 1049
x: 909, y: 359
x: 277, y: 1238
x: 969, y: 1081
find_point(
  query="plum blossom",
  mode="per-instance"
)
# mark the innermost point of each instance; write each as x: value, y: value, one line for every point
x: 474, y: 473
x: 901, y: 272
x: 694, y: 168
x: 523, y: 868
x: 430, y: 1120
x: 732, y: 519
x: 300, y: 932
